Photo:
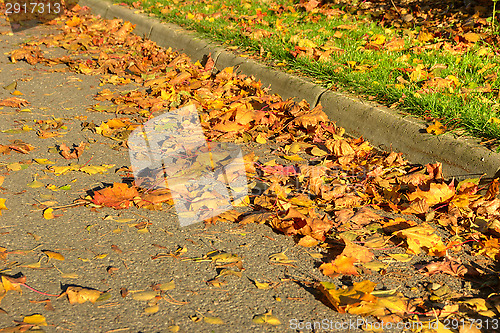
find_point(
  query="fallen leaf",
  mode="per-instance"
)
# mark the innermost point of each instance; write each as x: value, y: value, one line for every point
x: 53, y: 255
x: 2, y: 205
x: 266, y: 318
x: 437, y: 128
x: 79, y: 295
x: 36, y: 319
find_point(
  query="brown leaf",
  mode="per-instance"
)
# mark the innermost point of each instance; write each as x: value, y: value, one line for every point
x: 447, y: 266
x: 14, y: 102
x: 70, y: 153
x: 311, y: 117
x: 493, y: 190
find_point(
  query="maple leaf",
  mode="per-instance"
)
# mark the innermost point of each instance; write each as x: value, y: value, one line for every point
x: 69, y: 153
x: 339, y: 147
x: 490, y: 247
x: 13, y: 102
x: 311, y: 117
x: 21, y: 147
x: 341, y: 265
x: 436, y: 128
x: 493, y: 190
x: 358, y: 252
x: 448, y: 266
x: 343, y: 299
x: 119, y: 196
x: 437, y: 193
x: 419, y: 238
x: 296, y: 223
x: 309, y: 5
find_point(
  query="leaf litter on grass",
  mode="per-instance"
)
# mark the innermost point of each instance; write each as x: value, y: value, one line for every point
x: 341, y: 197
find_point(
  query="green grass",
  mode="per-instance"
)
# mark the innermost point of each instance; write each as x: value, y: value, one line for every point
x: 383, y: 75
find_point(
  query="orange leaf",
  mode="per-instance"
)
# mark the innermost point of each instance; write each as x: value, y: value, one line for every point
x: 13, y: 102
x: 341, y: 265
x: 118, y: 196
x: 436, y: 128
x: 437, y: 193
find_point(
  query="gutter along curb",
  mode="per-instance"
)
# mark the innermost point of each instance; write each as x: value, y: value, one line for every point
x: 383, y: 127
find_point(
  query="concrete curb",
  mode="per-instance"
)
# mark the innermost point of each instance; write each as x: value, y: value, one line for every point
x: 383, y: 127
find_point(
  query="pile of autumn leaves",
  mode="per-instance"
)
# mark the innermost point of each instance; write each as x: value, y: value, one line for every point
x: 341, y: 191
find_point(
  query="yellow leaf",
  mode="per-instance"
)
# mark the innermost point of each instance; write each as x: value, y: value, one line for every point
x: 454, y: 79
x: 74, y: 21
x: 35, y: 184
x: 17, y: 93
x: 419, y: 74
x: 2, y: 178
x: 422, y: 237
x: 280, y: 258
x: 48, y: 214
x: 101, y: 256
x: 484, y: 51
x: 266, y: 318
x: 304, y: 42
x: 472, y: 37
x: 59, y: 170
x: 402, y: 257
x: 11, y: 86
x: 145, y: 295
x: 318, y: 152
x: 69, y: 276
x: 167, y: 286
x: 174, y: 328
x: 53, y: 255
x: 294, y: 158
x: 94, y: 169
x: 42, y: 161
x: 378, y: 39
x: 436, y: 128
x: 8, y: 285
x: 16, y: 166
x: 152, y: 309
x: 36, y: 319
x: 260, y: 139
x: 262, y: 285
x: 494, y: 120
x: 425, y: 36
x: 242, y: 202
x: 2, y: 205
x: 34, y: 265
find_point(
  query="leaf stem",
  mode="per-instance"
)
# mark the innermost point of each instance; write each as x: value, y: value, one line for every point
x: 37, y: 291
